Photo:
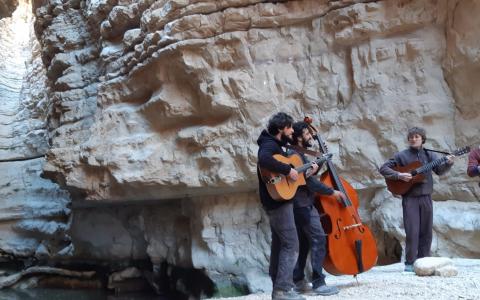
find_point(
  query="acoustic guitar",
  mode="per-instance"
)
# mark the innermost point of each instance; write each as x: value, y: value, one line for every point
x: 400, y: 187
x: 281, y: 187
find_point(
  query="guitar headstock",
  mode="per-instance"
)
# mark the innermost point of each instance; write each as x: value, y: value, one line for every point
x: 314, y: 132
x: 324, y: 147
x: 461, y: 151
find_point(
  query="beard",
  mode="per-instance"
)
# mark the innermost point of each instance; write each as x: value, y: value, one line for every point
x: 287, y: 139
x: 307, y: 144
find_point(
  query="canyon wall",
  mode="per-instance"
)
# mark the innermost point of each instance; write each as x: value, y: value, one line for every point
x: 151, y: 109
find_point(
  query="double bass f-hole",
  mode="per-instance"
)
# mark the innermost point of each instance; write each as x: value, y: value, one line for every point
x: 338, y: 233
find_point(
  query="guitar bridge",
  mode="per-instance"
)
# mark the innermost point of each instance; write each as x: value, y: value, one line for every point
x: 274, y: 180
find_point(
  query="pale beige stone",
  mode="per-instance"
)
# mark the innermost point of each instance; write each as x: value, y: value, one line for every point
x: 427, y: 266
x: 446, y: 271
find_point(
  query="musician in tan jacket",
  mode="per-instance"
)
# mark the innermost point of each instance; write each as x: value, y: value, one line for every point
x: 417, y: 202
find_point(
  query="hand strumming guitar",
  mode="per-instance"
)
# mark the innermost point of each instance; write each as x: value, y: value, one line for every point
x: 405, y: 177
x: 293, y: 174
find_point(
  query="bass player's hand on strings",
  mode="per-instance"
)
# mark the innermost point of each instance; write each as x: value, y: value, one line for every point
x: 338, y: 195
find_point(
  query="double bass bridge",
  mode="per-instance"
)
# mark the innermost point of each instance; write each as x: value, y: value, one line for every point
x: 352, y: 226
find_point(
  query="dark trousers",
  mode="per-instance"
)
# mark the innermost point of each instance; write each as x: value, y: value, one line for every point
x: 418, y: 222
x: 311, y: 238
x: 284, y: 248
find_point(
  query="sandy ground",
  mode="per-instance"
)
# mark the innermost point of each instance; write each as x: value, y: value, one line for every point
x: 390, y: 282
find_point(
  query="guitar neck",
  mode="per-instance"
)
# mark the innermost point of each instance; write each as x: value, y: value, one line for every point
x: 428, y: 167
x: 437, y: 162
x: 307, y: 166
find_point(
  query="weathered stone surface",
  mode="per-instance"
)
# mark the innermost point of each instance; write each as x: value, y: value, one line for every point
x: 110, y: 234
x: 12, y: 279
x: 7, y: 7
x: 120, y: 276
x: 446, y: 271
x: 23, y: 101
x: 34, y: 214
x: 33, y: 210
x: 185, y: 94
x: 427, y: 266
x: 226, y: 75
x: 462, y: 63
x: 161, y: 101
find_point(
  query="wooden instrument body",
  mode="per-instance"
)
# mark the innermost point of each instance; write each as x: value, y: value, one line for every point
x: 417, y: 169
x: 285, y: 188
x: 342, y: 258
x: 400, y: 187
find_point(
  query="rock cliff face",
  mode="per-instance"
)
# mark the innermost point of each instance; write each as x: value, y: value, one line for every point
x: 7, y: 7
x: 157, y: 105
x: 34, y: 214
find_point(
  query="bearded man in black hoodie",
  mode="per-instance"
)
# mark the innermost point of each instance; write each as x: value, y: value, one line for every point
x: 284, y: 247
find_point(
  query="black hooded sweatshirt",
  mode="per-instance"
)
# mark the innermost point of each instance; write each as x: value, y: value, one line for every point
x: 268, y: 146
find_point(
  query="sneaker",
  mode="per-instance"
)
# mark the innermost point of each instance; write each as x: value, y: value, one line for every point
x: 286, y: 295
x: 303, y: 287
x: 325, y: 290
x: 409, y: 268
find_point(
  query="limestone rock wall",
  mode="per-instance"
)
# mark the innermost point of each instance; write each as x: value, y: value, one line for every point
x: 7, y: 7
x: 34, y: 211
x: 23, y: 100
x: 162, y: 101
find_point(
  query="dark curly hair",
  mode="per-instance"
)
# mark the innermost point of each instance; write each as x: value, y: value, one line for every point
x: 298, y: 128
x: 278, y: 122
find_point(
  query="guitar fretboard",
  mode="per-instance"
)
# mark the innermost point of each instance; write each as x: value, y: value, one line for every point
x: 437, y: 162
x: 319, y: 160
x: 431, y: 165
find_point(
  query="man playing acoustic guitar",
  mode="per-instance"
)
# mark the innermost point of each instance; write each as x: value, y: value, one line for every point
x: 311, y: 235
x: 417, y: 202
x: 284, y: 247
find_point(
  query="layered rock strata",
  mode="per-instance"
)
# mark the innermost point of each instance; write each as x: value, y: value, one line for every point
x: 34, y: 211
x: 161, y: 100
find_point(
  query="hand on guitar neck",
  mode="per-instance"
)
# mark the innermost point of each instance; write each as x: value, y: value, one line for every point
x: 294, y: 173
x: 408, y: 176
x: 312, y: 170
x: 450, y: 159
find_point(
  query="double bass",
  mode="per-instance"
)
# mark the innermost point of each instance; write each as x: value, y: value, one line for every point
x: 351, y: 246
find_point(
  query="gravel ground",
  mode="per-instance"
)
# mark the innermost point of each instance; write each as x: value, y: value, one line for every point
x: 390, y: 282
